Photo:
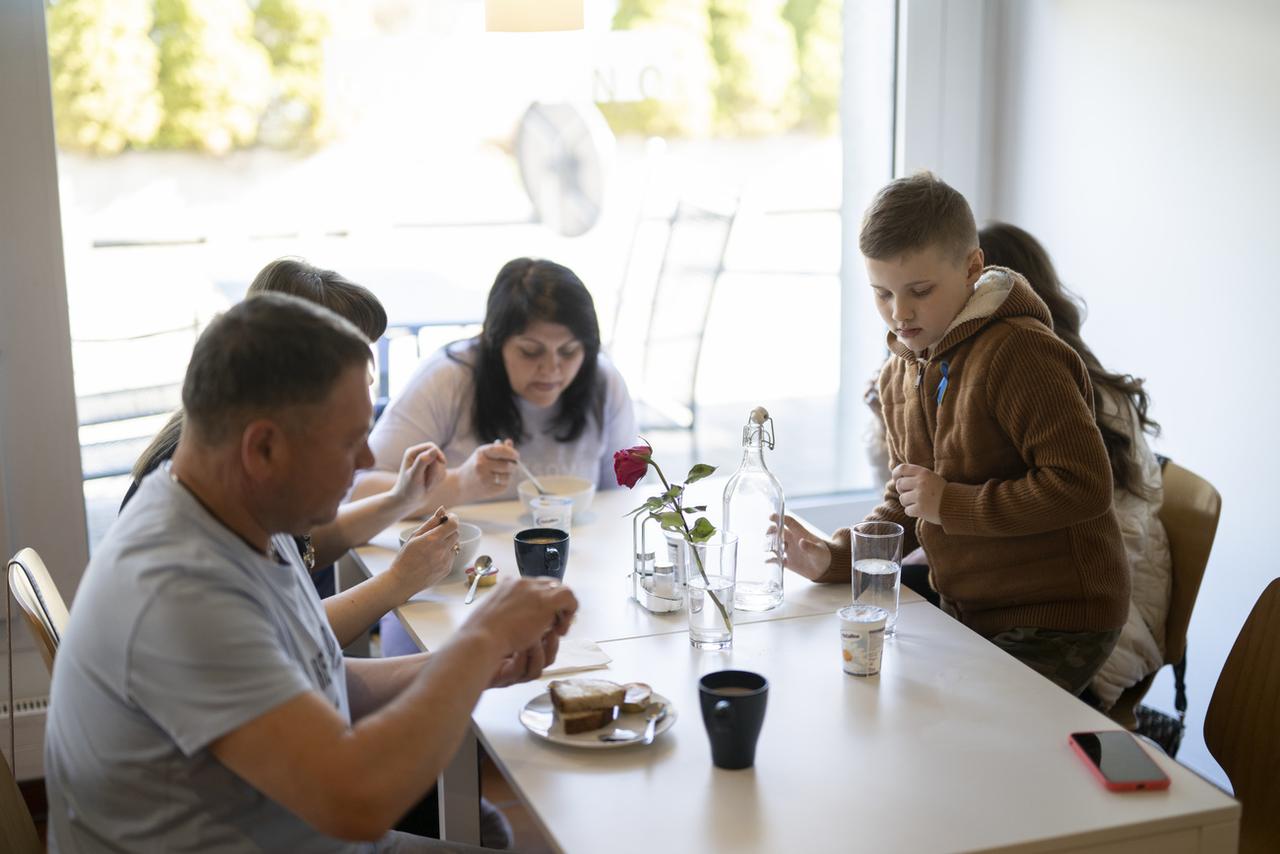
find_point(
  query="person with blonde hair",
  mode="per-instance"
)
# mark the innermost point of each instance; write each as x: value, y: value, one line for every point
x: 428, y: 556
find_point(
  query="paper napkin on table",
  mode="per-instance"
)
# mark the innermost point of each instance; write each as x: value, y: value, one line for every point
x: 576, y: 655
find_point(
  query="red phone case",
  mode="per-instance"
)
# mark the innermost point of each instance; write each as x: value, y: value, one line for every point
x: 1161, y: 782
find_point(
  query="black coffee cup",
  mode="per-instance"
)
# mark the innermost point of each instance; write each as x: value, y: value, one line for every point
x: 733, y: 703
x: 542, y: 552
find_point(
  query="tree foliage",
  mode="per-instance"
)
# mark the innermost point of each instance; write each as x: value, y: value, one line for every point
x: 210, y: 75
x: 103, y: 69
x: 761, y: 66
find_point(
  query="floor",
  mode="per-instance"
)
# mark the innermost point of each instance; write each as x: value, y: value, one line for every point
x: 528, y: 838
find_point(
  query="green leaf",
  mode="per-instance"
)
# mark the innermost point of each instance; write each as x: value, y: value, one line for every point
x: 673, y: 493
x: 698, y: 508
x: 702, y: 530
x: 698, y: 472
x: 650, y: 504
x: 670, y: 521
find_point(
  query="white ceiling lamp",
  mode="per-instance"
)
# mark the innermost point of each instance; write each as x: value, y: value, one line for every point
x: 532, y: 16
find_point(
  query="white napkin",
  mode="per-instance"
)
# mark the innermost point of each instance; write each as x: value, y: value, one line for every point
x: 576, y: 655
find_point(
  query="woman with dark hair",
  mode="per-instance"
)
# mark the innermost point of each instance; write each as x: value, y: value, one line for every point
x: 1120, y: 405
x: 532, y: 386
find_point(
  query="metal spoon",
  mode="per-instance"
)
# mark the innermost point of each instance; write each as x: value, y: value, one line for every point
x: 484, y: 566
x: 536, y: 485
x: 653, y: 713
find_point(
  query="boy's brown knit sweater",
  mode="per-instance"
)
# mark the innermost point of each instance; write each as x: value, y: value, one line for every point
x: 1028, y: 534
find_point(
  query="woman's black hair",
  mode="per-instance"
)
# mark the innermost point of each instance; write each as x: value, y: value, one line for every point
x: 525, y: 291
x: 1006, y: 245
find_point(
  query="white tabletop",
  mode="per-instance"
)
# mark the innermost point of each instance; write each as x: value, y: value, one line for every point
x: 598, y: 571
x: 955, y: 746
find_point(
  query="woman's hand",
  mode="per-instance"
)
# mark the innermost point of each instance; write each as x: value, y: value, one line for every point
x: 422, y: 469
x: 806, y: 552
x: 428, y: 554
x: 487, y: 472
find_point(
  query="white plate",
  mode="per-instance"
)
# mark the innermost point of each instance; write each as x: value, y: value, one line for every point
x: 538, y: 716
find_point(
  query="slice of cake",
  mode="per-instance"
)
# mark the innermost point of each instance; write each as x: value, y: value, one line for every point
x: 584, y: 695
x: 585, y: 704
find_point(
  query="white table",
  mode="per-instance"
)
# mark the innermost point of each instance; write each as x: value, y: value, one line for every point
x: 598, y: 568
x: 954, y: 747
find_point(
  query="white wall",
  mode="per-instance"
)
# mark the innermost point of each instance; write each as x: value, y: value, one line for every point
x: 41, y: 503
x: 1140, y: 141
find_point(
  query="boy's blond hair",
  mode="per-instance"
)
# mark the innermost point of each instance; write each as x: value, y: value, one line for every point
x: 914, y: 213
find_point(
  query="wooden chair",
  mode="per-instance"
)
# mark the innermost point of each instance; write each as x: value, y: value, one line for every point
x: 1190, y: 517
x: 1240, y: 726
x: 30, y: 583
x: 36, y: 592
x: 17, y: 830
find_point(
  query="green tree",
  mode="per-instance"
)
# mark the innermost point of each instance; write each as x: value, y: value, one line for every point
x: 103, y: 68
x: 755, y: 55
x: 293, y: 32
x: 215, y: 77
x: 688, y: 108
x: 818, y: 33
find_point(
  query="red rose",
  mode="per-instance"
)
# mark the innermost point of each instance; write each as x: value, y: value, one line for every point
x: 630, y: 465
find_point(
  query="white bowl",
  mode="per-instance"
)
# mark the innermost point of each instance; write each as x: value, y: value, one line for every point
x: 468, y: 544
x: 579, y: 489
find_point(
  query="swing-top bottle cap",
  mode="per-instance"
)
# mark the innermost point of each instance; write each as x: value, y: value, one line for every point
x: 759, y: 415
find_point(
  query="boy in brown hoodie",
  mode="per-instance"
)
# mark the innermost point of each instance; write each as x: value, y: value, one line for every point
x: 998, y: 469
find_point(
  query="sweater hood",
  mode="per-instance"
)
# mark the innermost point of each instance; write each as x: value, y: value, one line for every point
x: 1000, y: 293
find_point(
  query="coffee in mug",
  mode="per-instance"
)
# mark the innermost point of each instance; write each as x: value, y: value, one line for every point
x: 542, y: 552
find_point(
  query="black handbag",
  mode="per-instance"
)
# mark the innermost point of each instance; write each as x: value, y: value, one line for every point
x: 1166, y: 730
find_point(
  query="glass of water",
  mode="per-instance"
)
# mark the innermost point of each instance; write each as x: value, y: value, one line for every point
x: 712, y: 569
x: 877, y: 567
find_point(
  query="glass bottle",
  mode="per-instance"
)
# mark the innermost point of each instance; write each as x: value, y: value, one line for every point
x: 752, y: 501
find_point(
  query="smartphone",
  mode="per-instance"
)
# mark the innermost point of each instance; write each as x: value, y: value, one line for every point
x: 1117, y: 760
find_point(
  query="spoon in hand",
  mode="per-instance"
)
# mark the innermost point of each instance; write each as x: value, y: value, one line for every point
x: 532, y: 479
x: 484, y: 566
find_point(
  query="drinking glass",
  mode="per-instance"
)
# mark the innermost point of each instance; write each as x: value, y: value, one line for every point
x: 877, y: 567
x: 712, y: 569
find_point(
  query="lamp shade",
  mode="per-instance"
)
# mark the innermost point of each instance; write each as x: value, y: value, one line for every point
x: 532, y: 16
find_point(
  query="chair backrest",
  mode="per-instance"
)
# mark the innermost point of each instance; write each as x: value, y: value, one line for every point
x: 1190, y: 517
x: 35, y: 591
x: 1240, y: 726
x: 692, y: 262
x: 1189, y: 514
x: 17, y: 830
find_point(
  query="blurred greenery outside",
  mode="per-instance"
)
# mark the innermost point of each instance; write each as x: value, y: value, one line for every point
x: 219, y: 75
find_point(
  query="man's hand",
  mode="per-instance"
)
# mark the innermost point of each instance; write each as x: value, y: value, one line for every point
x: 529, y: 664
x: 919, y: 492
x: 806, y: 552
x: 520, y: 614
x: 422, y: 468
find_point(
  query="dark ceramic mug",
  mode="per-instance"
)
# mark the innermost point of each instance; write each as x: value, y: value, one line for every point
x: 542, y: 552
x: 733, y: 704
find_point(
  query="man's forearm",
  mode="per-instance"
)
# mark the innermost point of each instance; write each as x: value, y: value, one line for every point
x: 400, y: 748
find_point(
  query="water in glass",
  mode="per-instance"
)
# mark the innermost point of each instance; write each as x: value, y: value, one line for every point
x: 876, y: 582
x: 707, y: 627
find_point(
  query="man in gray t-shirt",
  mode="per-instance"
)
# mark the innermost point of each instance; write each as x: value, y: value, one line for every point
x: 200, y: 701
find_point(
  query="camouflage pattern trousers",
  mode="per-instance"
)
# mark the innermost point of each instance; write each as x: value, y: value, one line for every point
x: 1068, y: 659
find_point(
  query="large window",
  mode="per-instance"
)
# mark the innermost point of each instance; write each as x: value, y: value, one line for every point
x: 685, y: 159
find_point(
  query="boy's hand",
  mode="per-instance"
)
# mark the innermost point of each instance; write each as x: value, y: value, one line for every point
x: 919, y: 492
x: 807, y: 552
